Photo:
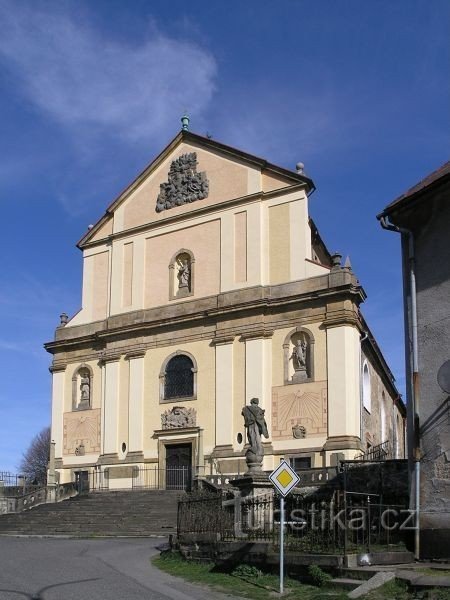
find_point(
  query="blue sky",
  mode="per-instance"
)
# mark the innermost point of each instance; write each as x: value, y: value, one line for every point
x: 91, y: 91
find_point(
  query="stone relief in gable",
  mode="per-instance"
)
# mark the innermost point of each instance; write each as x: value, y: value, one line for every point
x: 183, y: 185
x: 299, y: 411
x: 177, y: 417
x: 81, y: 432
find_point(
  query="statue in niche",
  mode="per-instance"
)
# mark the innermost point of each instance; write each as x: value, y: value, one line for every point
x: 298, y: 355
x: 85, y: 388
x: 184, y: 273
x: 256, y: 426
x: 299, y: 359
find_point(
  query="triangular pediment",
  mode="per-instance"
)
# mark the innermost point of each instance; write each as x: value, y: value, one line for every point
x: 191, y: 172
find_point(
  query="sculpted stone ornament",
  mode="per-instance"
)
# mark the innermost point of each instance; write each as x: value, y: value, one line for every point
x: 299, y: 432
x: 256, y: 426
x: 177, y: 417
x: 184, y: 184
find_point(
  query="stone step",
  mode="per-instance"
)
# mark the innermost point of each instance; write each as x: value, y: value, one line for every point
x: 345, y: 583
x: 107, y: 513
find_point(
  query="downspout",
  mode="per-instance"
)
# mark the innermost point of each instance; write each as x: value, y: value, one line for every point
x: 412, y: 320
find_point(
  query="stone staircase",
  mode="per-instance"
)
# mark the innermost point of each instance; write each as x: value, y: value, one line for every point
x: 133, y: 513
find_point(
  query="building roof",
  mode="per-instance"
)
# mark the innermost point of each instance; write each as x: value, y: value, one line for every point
x: 433, y: 180
x: 207, y: 143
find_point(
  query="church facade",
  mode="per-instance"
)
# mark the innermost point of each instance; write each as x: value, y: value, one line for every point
x: 206, y: 284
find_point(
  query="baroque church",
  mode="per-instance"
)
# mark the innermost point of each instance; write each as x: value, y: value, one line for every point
x: 207, y: 284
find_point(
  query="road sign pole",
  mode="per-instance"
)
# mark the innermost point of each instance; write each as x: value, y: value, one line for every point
x: 281, y: 545
x: 284, y: 478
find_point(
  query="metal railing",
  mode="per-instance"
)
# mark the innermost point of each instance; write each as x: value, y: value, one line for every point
x: 135, y: 478
x: 335, y: 526
x: 379, y: 452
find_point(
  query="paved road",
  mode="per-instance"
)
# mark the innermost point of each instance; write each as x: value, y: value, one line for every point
x: 92, y: 569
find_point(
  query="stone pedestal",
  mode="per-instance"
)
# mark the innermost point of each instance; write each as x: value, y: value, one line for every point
x: 254, y: 503
x: 300, y: 376
x: 252, y: 485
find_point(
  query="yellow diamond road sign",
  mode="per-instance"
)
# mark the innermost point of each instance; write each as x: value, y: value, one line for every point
x: 284, y: 478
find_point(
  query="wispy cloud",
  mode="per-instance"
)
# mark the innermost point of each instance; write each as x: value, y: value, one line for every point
x: 82, y: 79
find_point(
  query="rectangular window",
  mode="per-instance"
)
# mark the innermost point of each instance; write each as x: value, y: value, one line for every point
x: 301, y: 462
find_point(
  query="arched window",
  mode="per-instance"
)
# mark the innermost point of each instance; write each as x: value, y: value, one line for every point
x: 178, y: 378
x: 181, y: 274
x: 299, y: 356
x: 82, y: 381
x: 383, y: 417
x: 366, y: 391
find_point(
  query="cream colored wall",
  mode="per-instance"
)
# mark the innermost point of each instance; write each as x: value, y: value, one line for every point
x: 136, y: 404
x: 343, y: 357
x: 266, y: 241
x: 123, y: 405
x: 127, y: 277
x: 240, y: 247
x: 224, y: 394
x: 95, y: 290
x: 58, y: 378
x: 104, y: 231
x: 227, y: 179
x: 272, y: 182
x: 203, y: 240
x: 239, y: 396
x: 289, y: 237
x: 279, y: 243
x: 204, y: 405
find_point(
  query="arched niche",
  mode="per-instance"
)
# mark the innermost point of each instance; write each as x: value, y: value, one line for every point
x: 178, y: 377
x: 181, y: 274
x: 82, y: 387
x: 298, y: 350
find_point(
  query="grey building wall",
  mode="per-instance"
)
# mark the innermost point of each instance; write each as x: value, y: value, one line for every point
x: 378, y: 424
x: 432, y: 250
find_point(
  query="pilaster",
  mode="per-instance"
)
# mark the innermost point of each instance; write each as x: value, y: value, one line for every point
x: 136, y: 402
x: 224, y: 391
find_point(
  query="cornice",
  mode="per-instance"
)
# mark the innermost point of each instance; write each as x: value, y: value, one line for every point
x: 256, y: 300
x: 257, y: 334
x: 57, y: 367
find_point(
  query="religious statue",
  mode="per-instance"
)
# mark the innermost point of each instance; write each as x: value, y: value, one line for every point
x: 298, y: 355
x: 85, y: 388
x: 256, y: 426
x: 184, y: 273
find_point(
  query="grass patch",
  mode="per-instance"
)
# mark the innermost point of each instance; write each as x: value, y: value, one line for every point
x: 434, y: 572
x: 246, y: 582
x: 394, y: 590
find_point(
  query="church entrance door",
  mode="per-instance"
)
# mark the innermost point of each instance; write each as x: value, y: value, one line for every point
x: 82, y: 481
x: 179, y: 467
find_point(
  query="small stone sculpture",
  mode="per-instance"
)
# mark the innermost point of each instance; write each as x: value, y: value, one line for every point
x: 298, y: 355
x: 256, y: 426
x: 184, y: 274
x: 85, y: 388
x: 178, y: 416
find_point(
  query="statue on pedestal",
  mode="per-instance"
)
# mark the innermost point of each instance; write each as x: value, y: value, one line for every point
x: 256, y: 426
x: 299, y: 361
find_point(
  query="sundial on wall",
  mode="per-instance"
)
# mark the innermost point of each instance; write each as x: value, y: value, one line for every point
x: 184, y: 184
